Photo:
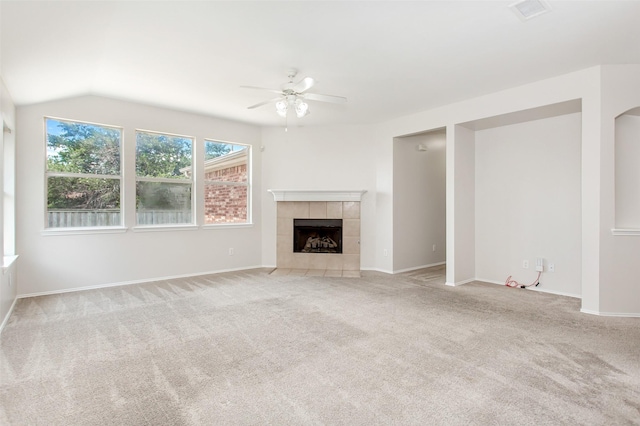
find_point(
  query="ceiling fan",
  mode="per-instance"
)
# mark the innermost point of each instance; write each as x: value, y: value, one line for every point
x: 292, y: 96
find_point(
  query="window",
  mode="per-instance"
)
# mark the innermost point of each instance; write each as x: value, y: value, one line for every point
x: 163, y: 182
x: 83, y: 174
x: 85, y: 181
x: 226, y: 183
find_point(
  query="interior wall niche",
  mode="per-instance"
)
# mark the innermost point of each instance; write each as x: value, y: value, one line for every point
x: 627, y: 169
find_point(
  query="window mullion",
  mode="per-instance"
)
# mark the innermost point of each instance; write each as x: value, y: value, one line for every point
x: 165, y: 180
x: 82, y: 175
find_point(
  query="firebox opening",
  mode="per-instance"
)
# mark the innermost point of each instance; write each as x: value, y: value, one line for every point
x: 317, y: 235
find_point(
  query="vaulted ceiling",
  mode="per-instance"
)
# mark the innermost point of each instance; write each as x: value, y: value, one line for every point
x: 389, y: 58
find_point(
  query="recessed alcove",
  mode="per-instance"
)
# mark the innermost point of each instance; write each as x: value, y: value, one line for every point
x: 627, y: 177
x: 518, y: 193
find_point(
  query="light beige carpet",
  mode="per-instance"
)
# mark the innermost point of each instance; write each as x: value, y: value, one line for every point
x: 251, y: 348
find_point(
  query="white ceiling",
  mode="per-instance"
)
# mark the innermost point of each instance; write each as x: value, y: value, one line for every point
x: 389, y: 58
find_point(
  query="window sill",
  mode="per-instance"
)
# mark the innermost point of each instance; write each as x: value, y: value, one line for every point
x: 7, y: 262
x: 227, y: 225
x: 628, y: 231
x: 161, y: 228
x: 84, y: 231
x: 150, y: 228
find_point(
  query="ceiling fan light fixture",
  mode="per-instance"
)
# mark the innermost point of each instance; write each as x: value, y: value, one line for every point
x: 302, y: 108
x: 281, y: 108
x: 292, y: 96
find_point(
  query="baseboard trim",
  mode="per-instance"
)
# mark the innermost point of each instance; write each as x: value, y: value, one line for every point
x: 533, y: 288
x: 6, y: 318
x: 415, y: 268
x: 142, y: 281
x: 557, y: 293
x: 610, y: 314
x: 384, y: 271
x: 463, y: 282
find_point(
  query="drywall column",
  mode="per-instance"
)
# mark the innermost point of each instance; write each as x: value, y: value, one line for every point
x: 384, y: 206
x: 609, y: 262
x: 460, y: 205
x: 619, y: 268
x: 591, y: 217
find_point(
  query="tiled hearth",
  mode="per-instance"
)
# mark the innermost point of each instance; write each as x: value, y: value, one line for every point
x: 313, y: 263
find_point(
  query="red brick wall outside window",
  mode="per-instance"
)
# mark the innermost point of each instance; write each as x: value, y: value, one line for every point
x: 223, y: 201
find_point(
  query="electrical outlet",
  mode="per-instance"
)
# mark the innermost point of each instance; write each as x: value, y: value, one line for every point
x: 434, y: 247
x: 552, y: 267
x: 384, y: 252
x: 525, y: 264
x: 539, y: 264
x: 230, y: 252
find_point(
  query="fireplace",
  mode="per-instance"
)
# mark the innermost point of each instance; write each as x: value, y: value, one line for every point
x: 343, y: 207
x: 317, y: 235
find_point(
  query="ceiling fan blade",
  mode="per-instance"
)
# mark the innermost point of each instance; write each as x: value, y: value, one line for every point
x: 264, y: 89
x: 264, y: 103
x: 325, y: 98
x: 303, y: 85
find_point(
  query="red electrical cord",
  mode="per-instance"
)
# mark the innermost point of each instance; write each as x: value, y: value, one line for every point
x: 513, y: 283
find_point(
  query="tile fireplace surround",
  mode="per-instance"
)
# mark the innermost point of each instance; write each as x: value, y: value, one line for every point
x: 343, y: 205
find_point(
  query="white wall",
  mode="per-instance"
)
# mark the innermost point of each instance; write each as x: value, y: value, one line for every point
x: 419, y: 208
x: 50, y: 263
x: 527, y: 202
x: 320, y: 158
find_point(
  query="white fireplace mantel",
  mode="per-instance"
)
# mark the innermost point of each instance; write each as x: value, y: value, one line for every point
x: 314, y: 195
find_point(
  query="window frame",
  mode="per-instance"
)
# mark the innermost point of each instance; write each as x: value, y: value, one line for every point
x: 178, y: 180
x: 49, y: 174
x: 248, y: 184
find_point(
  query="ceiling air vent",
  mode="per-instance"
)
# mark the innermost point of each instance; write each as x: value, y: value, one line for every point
x: 527, y: 9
